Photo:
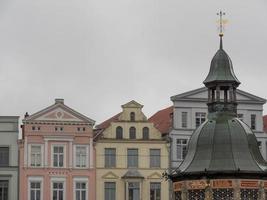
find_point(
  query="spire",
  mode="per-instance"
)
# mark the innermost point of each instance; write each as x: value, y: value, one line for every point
x: 221, y: 27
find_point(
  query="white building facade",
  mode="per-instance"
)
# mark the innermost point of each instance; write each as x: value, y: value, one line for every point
x: 190, y: 110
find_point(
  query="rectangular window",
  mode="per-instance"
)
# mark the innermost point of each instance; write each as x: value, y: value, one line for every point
x: 184, y: 119
x: 200, y: 118
x: 81, y: 156
x: 240, y: 116
x: 3, y: 189
x: 155, y: 191
x: 181, y: 148
x: 35, y: 190
x: 36, y: 158
x: 253, y: 122
x: 154, y: 157
x: 260, y: 146
x: 58, y: 191
x: 58, y: 156
x: 133, y: 191
x: 132, y: 157
x: 110, y: 157
x: 80, y: 190
x: 4, y: 156
x: 110, y: 191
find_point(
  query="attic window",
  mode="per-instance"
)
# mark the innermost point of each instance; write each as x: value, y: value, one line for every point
x: 132, y: 116
x: 59, y: 128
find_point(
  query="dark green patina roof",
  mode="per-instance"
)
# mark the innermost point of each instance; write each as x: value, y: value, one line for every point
x: 223, y: 145
x: 221, y: 68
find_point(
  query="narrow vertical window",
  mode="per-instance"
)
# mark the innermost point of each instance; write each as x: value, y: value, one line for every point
x: 132, y: 116
x: 145, y: 133
x: 253, y: 121
x: 260, y: 146
x: 181, y: 148
x: 184, y: 119
x: 81, y: 156
x: 154, y: 157
x: 3, y: 189
x: 35, y: 190
x: 132, y: 133
x: 200, y: 118
x: 58, y: 191
x: 119, y: 132
x: 4, y: 156
x: 132, y: 158
x: 58, y: 156
x: 155, y: 191
x: 110, y: 191
x: 80, y: 191
x: 134, y: 191
x: 36, y: 158
x: 110, y: 157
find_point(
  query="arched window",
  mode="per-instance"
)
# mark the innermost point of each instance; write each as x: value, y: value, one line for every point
x: 132, y: 133
x: 132, y: 116
x: 119, y: 132
x: 145, y: 133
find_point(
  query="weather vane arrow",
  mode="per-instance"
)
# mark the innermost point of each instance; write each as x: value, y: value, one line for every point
x: 222, y: 22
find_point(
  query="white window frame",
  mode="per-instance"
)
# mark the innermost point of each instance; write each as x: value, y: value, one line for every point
x: 87, y: 155
x: 29, y: 155
x: 202, y: 116
x: 75, y: 180
x: 35, y: 179
x: 64, y: 156
x: 58, y: 180
x: 184, y: 119
x: 180, y: 158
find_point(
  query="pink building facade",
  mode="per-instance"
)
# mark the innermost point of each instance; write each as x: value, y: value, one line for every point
x: 57, y: 155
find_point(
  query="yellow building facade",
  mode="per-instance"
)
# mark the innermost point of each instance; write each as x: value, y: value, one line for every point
x: 131, y: 157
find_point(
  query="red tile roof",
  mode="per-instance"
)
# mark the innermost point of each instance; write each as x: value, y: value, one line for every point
x: 163, y: 120
x: 106, y: 123
x: 265, y: 123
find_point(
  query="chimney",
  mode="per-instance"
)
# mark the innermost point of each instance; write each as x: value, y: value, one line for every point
x: 59, y: 101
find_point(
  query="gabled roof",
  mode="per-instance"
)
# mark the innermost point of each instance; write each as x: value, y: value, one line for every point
x: 192, y: 95
x: 162, y: 120
x: 58, y: 112
x: 265, y: 123
x: 106, y: 123
x: 132, y: 104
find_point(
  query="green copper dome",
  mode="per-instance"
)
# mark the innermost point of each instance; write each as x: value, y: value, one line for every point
x: 223, y: 146
x: 221, y: 68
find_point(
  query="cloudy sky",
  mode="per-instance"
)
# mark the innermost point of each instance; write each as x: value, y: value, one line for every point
x: 100, y: 54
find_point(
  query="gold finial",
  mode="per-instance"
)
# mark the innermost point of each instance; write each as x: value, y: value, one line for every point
x: 222, y: 22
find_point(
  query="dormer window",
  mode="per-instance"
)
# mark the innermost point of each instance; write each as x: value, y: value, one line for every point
x: 132, y: 116
x: 132, y: 133
x: 119, y: 132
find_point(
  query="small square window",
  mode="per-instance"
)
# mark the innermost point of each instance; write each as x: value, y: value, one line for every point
x: 33, y: 128
x: 61, y: 128
x: 83, y: 128
x: 39, y: 128
x: 78, y: 128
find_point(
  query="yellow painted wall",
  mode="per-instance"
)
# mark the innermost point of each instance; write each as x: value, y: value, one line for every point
x: 114, y: 175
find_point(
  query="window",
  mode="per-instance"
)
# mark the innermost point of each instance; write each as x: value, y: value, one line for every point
x: 184, y: 119
x: 200, y: 118
x: 132, y: 116
x: 132, y: 133
x: 81, y: 156
x: 155, y: 191
x: 80, y: 190
x: 133, y: 191
x: 35, y: 190
x: 36, y: 156
x: 260, y: 146
x: 110, y: 157
x: 146, y: 133
x: 58, y: 191
x: 59, y: 128
x: 119, y: 132
x: 240, y: 116
x: 58, y: 156
x: 110, y: 191
x: 154, y: 157
x: 4, y: 156
x: 253, y: 122
x: 3, y: 189
x: 132, y: 157
x: 33, y: 128
x: 181, y: 148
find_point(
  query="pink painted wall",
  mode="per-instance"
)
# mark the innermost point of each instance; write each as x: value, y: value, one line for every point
x: 47, y: 172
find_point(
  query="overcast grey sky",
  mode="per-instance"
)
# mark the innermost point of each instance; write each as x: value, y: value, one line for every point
x: 99, y: 54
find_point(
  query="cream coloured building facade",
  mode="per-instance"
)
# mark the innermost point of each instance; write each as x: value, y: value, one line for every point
x: 131, y: 157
